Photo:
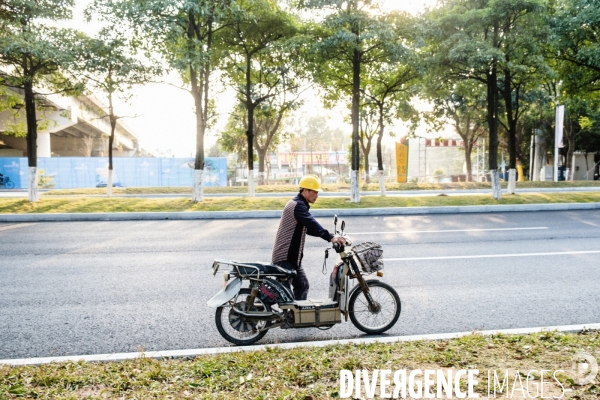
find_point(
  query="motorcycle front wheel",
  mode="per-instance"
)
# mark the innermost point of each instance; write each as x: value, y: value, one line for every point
x: 234, y: 328
x: 379, y: 319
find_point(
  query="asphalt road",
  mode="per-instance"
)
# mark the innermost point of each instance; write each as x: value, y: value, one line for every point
x: 103, y: 287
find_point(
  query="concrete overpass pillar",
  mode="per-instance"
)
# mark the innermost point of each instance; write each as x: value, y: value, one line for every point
x: 43, y: 144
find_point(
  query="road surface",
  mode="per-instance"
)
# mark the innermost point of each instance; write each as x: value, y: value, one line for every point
x: 78, y: 288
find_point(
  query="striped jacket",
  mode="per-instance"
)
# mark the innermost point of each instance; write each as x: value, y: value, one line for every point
x: 295, y: 223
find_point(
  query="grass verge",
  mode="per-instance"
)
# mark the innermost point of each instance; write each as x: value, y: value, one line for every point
x: 91, y: 205
x: 330, y: 188
x: 312, y: 373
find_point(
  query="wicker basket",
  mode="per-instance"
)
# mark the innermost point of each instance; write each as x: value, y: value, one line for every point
x: 369, y: 254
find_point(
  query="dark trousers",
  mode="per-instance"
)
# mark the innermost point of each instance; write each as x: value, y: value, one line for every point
x: 299, y: 282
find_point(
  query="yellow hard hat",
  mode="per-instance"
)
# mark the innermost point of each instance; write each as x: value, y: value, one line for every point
x: 311, y: 182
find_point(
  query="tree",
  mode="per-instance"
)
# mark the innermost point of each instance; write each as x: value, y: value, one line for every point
x: 368, y: 128
x: 233, y: 138
x: 575, y: 25
x: 523, y: 67
x: 350, y: 37
x: 267, y: 133
x: 261, y: 64
x: 474, y: 40
x: 589, y: 140
x: 266, y: 138
x: 183, y: 33
x: 316, y: 138
x: 86, y: 145
x: 391, y: 81
x: 575, y: 52
x: 110, y: 66
x: 464, y: 105
x: 33, y: 55
x: 580, y: 130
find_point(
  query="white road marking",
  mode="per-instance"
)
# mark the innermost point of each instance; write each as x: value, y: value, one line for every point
x: 453, y: 231
x: 4, y: 228
x: 263, y: 347
x: 561, y: 253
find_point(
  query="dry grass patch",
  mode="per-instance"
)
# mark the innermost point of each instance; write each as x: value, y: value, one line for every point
x: 303, y: 373
x: 96, y: 204
x: 327, y: 187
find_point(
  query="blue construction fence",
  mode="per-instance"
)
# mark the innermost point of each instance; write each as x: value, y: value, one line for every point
x: 84, y: 172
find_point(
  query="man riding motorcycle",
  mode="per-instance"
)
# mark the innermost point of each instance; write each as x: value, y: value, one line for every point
x: 296, y: 221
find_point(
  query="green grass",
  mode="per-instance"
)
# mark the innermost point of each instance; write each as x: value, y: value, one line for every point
x: 304, y: 373
x: 98, y: 204
x: 329, y: 188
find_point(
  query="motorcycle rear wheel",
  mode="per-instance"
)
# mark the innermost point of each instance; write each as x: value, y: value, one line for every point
x: 376, y: 321
x: 232, y: 326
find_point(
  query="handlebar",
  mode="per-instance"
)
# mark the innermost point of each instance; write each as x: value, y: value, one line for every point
x: 338, y: 247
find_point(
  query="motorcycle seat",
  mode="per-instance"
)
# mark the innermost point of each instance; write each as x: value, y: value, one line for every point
x: 252, y: 268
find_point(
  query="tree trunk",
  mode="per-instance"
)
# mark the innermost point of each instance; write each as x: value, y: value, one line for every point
x: 510, y: 118
x: 111, y: 140
x: 492, y: 120
x: 354, y: 189
x: 109, y: 183
x: 250, y: 140
x: 496, y: 190
x: 512, y: 179
x: 33, y: 194
x: 468, y: 151
x: 261, y: 165
x: 198, y: 180
x: 379, y: 155
x: 366, y: 149
x: 199, y: 105
x: 382, y: 182
x: 250, y: 132
x: 570, y: 151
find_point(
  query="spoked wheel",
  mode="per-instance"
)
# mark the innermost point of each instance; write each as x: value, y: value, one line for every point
x: 234, y: 327
x: 9, y: 184
x: 380, y: 318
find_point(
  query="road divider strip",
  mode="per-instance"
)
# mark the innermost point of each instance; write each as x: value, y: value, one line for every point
x: 342, y: 212
x: 322, y: 343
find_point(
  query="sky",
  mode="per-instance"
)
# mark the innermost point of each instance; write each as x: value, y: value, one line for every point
x: 164, y: 114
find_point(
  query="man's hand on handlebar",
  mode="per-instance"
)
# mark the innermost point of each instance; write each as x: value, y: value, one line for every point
x: 337, y: 239
x: 338, y: 242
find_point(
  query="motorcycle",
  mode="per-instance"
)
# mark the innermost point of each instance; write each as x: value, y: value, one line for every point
x: 244, y: 315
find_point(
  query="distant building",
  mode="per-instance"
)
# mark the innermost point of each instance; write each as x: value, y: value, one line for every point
x: 68, y: 127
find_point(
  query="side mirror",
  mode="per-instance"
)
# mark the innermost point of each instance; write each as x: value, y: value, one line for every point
x: 335, y: 219
x: 343, y: 226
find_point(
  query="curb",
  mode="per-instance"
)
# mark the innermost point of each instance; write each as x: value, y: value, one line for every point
x: 283, y: 346
x: 344, y: 212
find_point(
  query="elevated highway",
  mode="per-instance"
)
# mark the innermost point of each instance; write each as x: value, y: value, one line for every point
x: 68, y: 126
